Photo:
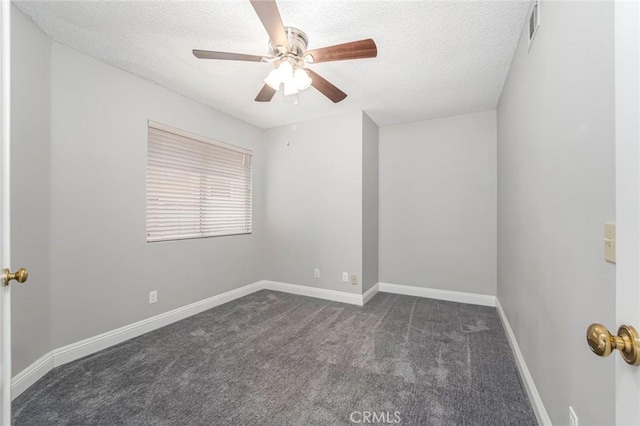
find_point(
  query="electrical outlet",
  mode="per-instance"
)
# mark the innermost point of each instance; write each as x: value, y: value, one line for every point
x: 354, y: 279
x: 573, y: 417
x: 153, y: 297
x: 316, y: 273
x: 345, y: 277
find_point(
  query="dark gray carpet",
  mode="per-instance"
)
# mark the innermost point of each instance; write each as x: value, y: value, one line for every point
x: 272, y: 358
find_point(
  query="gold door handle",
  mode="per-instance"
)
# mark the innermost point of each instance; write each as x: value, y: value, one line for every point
x: 20, y: 275
x: 602, y: 343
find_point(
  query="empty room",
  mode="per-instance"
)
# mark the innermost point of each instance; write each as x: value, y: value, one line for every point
x: 260, y: 212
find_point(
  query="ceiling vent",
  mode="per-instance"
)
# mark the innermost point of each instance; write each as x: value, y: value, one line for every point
x: 534, y: 21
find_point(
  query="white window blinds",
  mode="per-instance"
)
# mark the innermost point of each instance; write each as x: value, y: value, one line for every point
x: 196, y: 187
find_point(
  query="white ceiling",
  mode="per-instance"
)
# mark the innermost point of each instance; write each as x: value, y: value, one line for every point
x: 434, y: 58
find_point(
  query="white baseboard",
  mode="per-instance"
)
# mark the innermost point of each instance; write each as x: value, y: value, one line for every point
x: 63, y: 355
x: 94, y: 344
x: 319, y: 293
x: 85, y: 347
x: 370, y: 293
x: 432, y: 293
x: 27, y: 377
x: 530, y: 386
x: 21, y: 381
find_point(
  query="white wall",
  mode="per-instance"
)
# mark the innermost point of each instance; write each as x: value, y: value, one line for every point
x: 30, y: 192
x: 438, y: 203
x: 313, y: 202
x: 102, y: 267
x: 370, y: 209
x: 556, y: 177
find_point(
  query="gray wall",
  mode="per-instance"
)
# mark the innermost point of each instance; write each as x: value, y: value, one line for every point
x: 102, y: 268
x: 30, y: 192
x: 556, y: 191
x: 314, y: 202
x: 370, y: 216
x: 438, y: 203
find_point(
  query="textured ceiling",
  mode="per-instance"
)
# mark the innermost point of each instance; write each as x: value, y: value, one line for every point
x: 434, y: 58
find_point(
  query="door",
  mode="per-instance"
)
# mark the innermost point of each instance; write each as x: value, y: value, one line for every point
x: 627, y: 147
x: 627, y: 95
x: 5, y: 220
x: 5, y: 237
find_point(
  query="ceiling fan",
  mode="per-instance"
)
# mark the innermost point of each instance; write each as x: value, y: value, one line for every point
x: 288, y: 51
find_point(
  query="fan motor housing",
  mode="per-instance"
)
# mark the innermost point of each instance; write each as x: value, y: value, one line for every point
x: 297, y: 42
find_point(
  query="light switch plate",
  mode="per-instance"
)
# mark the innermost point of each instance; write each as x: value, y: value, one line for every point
x: 610, y: 242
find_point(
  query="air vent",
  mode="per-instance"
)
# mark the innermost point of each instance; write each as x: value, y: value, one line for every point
x: 534, y: 21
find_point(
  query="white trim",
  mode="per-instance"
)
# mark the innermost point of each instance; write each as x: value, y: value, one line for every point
x: 529, y: 385
x: 319, y: 293
x: 31, y: 374
x: 184, y: 133
x: 74, y: 351
x: 370, y: 293
x: 5, y: 214
x: 77, y: 350
x: 434, y: 293
x: 94, y: 344
x: 89, y: 346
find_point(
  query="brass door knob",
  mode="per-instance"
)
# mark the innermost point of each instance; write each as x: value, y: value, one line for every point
x: 21, y: 275
x: 602, y: 343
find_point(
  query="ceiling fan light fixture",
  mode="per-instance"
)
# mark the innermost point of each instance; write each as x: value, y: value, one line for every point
x: 302, y: 79
x: 290, y: 87
x: 288, y: 51
x: 285, y: 69
x: 274, y: 79
x: 284, y: 74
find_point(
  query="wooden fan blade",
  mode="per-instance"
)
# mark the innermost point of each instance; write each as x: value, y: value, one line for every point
x: 326, y: 88
x: 209, y: 54
x: 269, y: 15
x: 340, y: 52
x: 266, y: 94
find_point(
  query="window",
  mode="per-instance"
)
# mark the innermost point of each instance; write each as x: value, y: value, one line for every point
x: 196, y: 187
